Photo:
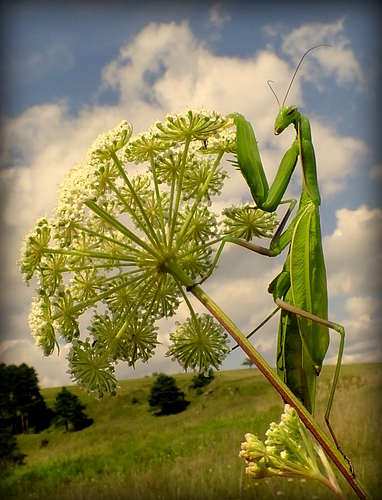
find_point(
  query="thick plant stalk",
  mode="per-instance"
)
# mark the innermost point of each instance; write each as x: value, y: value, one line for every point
x: 277, y: 383
x: 282, y: 389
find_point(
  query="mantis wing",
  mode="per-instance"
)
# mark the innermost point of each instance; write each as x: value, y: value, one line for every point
x: 308, y: 282
x: 302, y: 342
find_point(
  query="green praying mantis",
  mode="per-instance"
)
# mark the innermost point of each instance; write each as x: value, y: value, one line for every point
x: 300, y: 290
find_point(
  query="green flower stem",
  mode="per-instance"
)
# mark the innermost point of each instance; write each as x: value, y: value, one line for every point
x: 90, y: 302
x: 91, y: 255
x: 158, y: 196
x: 267, y: 371
x: 281, y: 388
x: 179, y: 191
x: 120, y: 227
x: 172, y: 196
x: 199, y: 197
x: 332, y: 481
x: 147, y: 230
x: 104, y: 237
x: 189, y: 305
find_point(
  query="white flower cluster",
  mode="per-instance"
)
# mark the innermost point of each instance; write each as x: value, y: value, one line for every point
x: 113, y: 140
x: 118, y: 240
x: 134, y: 243
x: 83, y: 181
x: 199, y: 343
x: 41, y: 324
x: 288, y: 451
x: 33, y: 246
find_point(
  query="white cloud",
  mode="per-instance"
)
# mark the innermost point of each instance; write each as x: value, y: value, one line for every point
x: 176, y: 72
x: 51, y: 370
x: 362, y: 325
x: 338, y: 157
x: 363, y: 307
x: 179, y: 72
x: 185, y: 74
x: 217, y: 16
x: 353, y: 252
x: 42, y: 145
x: 338, y: 60
x: 353, y: 261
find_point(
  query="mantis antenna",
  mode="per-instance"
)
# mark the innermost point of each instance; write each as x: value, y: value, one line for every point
x: 273, y: 92
x: 294, y: 74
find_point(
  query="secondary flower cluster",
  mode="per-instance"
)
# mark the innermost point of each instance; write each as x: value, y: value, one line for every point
x: 131, y: 243
x: 248, y: 222
x: 199, y: 342
x: 288, y: 451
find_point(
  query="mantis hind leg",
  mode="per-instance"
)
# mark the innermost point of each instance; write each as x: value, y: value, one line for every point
x: 340, y: 329
x: 259, y: 326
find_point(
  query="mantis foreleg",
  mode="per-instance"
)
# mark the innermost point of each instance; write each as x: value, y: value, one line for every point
x: 251, y: 246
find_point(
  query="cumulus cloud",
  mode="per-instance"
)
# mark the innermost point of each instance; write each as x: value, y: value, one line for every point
x: 362, y: 322
x: 151, y: 79
x: 180, y: 72
x: 337, y: 156
x: 353, y: 261
x: 51, y: 370
x: 353, y: 251
x: 41, y: 146
x: 338, y: 60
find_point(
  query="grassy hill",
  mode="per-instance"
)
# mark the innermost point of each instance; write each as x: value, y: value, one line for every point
x: 130, y: 454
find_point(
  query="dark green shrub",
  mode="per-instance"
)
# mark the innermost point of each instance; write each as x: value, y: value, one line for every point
x: 201, y: 380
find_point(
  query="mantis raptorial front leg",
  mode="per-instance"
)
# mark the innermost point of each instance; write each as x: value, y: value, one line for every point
x: 251, y: 246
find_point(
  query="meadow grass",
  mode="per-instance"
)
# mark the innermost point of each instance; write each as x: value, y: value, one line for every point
x: 128, y: 453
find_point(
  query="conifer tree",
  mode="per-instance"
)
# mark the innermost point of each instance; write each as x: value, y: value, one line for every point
x: 166, y: 397
x: 21, y: 404
x: 69, y: 411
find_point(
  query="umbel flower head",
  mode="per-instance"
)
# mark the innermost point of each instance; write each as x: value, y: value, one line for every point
x: 199, y: 343
x: 248, y: 222
x: 131, y: 243
x: 288, y: 451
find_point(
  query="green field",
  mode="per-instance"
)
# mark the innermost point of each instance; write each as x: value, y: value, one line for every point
x: 130, y: 454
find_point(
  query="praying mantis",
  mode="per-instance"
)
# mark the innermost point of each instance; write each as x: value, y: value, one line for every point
x: 300, y: 290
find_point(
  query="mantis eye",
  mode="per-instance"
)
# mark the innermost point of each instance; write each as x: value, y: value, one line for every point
x: 290, y: 111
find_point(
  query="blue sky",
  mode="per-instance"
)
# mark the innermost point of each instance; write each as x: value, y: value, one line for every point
x: 71, y: 70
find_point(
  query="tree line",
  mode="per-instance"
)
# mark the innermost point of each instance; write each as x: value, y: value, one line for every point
x: 23, y: 409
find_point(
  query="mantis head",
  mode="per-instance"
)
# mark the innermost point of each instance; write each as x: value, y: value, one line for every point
x: 286, y: 116
x: 289, y: 114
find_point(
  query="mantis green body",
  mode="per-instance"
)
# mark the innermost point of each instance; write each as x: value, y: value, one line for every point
x: 300, y: 290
